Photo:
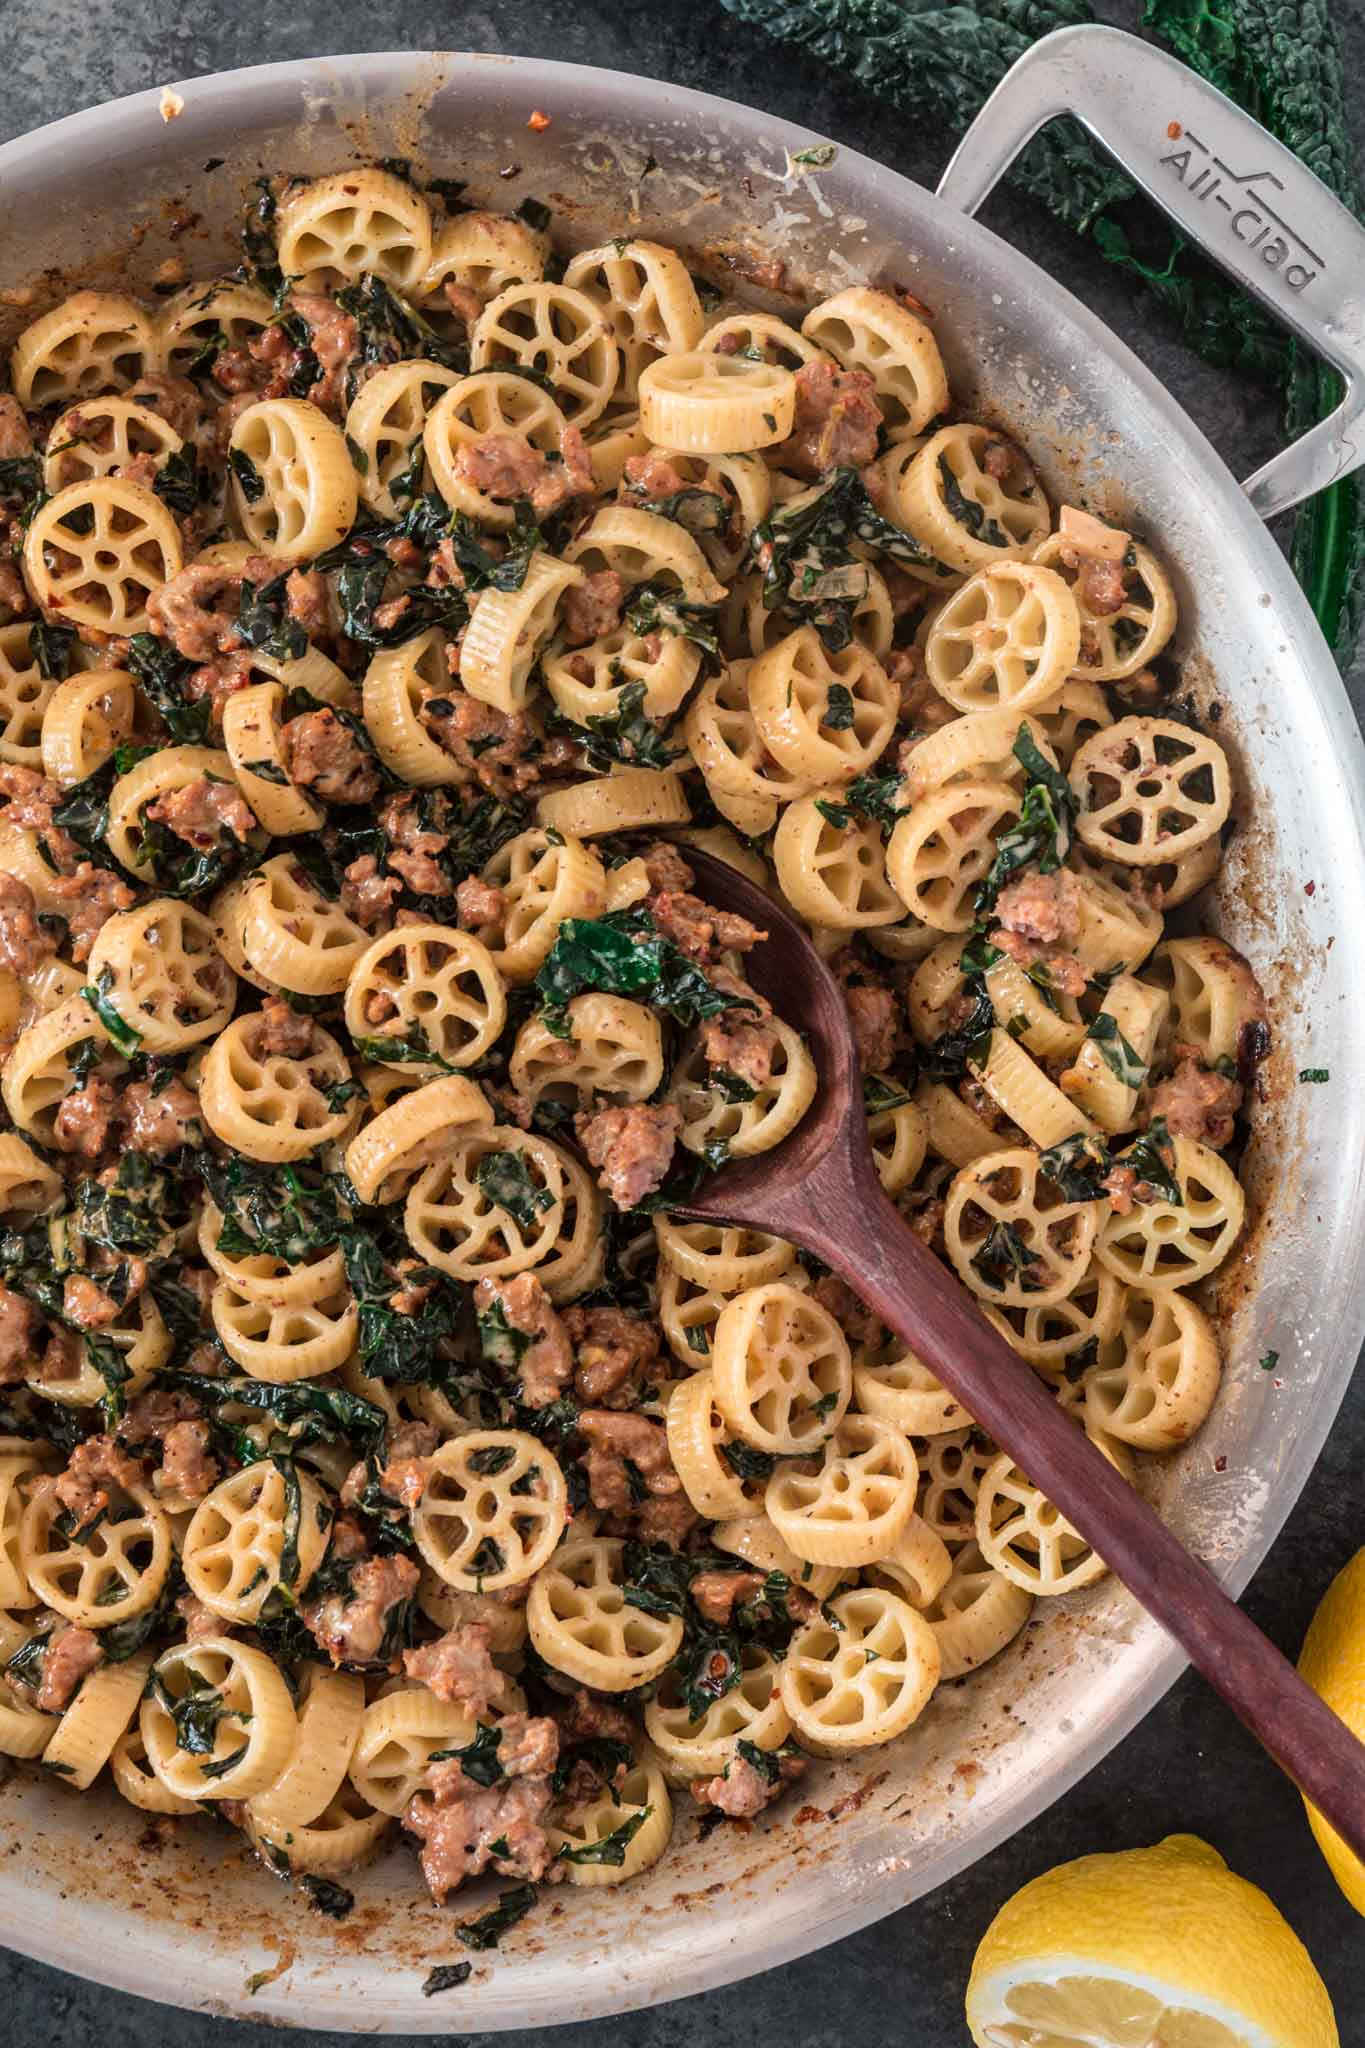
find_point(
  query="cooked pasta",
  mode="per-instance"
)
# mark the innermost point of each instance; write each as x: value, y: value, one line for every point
x: 379, y: 1449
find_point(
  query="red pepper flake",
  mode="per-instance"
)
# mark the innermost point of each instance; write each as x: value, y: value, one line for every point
x: 538, y: 122
x: 1220, y: 1464
x: 1310, y: 888
x: 1174, y: 130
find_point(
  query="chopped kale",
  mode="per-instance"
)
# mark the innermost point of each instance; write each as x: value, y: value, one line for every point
x: 177, y: 482
x: 1076, y: 1166
x: 1118, y: 1055
x: 626, y: 735
x: 478, y: 1759
x: 249, y: 479
x: 285, y: 1211
x: 486, y: 1932
x: 326, y: 1897
x: 804, y: 552
x: 50, y: 648
x: 163, y: 675
x: 445, y: 1977
x: 1152, y: 1156
x: 611, y: 1849
x: 1002, y: 1255
x: 966, y: 511
x: 624, y: 953
x: 264, y: 623
x: 656, y: 607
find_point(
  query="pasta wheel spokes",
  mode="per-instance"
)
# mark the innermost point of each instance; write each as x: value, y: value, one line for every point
x: 1014, y: 1239
x: 492, y: 1510
x: 1150, y: 790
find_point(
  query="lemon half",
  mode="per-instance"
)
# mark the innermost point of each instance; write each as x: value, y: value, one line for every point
x: 1333, y: 1662
x: 1150, y: 1948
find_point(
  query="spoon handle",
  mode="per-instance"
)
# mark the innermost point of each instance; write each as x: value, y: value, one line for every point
x: 847, y: 1220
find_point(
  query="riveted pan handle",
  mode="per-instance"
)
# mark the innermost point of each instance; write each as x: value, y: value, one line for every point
x: 1232, y: 189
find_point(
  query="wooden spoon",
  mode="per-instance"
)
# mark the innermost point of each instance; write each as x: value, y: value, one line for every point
x: 819, y: 1188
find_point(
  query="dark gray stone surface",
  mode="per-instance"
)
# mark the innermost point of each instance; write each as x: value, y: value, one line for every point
x: 1189, y: 1766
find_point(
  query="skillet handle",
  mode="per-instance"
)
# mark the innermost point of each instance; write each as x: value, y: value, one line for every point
x: 1231, y: 188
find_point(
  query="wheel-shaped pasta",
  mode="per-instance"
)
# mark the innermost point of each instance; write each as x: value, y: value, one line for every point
x: 90, y: 1729
x: 93, y: 342
x: 1160, y: 1243
x: 103, y: 1570
x: 399, y: 1734
x: 711, y: 404
x: 399, y: 683
x: 293, y: 486
x: 745, y: 782
x: 760, y: 335
x: 28, y: 1185
x: 1047, y: 1024
x: 543, y: 879
x: 493, y: 1509
x: 868, y: 330
x: 721, y: 1255
x: 899, y: 1136
x: 197, y: 324
x: 1023, y: 1091
x: 292, y: 936
x: 860, y: 1673
x: 101, y: 435
x: 158, y: 967
x: 1214, y: 995
x: 856, y: 1504
x: 1006, y: 641
x: 501, y: 1201
x: 384, y: 429
x: 781, y: 1369
x: 163, y: 774
x: 1113, y: 1060
x: 979, y: 745
x: 483, y: 253
x: 1011, y: 1235
x: 287, y: 1335
x: 647, y: 294
x: 346, y: 1834
x: 217, y: 1721
x: 495, y: 404
x: 1119, y: 640
x: 507, y: 629
x: 581, y: 1623
x: 698, y: 1746
x: 135, y: 1780
x: 724, y: 498
x: 688, y: 1314
x: 826, y: 717
x: 614, y: 1050
x: 641, y: 1808
x: 918, y: 1568
x: 1054, y: 1337
x: 976, y: 1613
x: 1025, y: 1537
x: 943, y: 847
x: 251, y: 736
x: 273, y: 1105
x: 627, y: 800
x: 385, y: 1156
x: 832, y: 865
x: 892, y: 1383
x: 562, y: 333
x: 955, y: 503
x: 719, y: 1108
x: 334, y: 229
x: 331, y: 1707
x: 25, y: 697
x: 83, y: 718
x: 953, y: 1465
x: 1149, y: 790
x: 256, y: 1541
x: 432, y: 986
x: 1156, y: 1379
x: 96, y: 551
x: 1118, y: 924
x: 697, y: 1437
x: 38, y: 1073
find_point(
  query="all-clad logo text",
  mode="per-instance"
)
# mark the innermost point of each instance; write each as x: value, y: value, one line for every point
x: 1249, y: 199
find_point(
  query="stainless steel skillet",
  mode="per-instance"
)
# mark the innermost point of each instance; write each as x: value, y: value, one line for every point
x: 106, y: 197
